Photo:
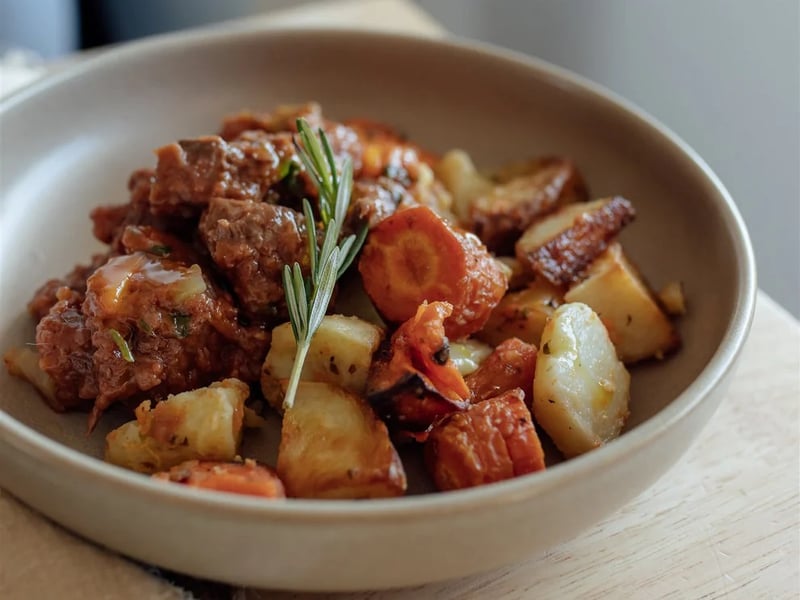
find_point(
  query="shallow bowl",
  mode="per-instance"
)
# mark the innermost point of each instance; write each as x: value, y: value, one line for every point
x: 69, y: 143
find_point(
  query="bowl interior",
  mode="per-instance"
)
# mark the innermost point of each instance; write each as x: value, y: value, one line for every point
x: 73, y: 147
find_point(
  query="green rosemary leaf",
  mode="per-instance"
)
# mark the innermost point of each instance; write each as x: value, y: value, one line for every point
x: 124, y: 349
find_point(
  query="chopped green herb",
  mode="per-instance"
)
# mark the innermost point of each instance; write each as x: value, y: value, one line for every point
x: 181, y: 323
x: 288, y: 169
x: 144, y: 327
x: 124, y: 349
x: 160, y: 250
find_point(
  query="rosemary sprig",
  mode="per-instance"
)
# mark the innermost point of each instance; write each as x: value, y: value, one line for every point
x: 307, y: 298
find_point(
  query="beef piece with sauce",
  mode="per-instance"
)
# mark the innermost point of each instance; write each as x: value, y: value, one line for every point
x: 159, y: 327
x: 65, y: 351
x: 45, y: 296
x: 191, y: 172
x: 344, y: 140
x: 373, y: 201
x: 251, y: 242
x: 283, y: 118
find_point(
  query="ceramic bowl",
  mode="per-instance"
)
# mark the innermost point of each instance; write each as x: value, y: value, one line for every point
x: 69, y: 143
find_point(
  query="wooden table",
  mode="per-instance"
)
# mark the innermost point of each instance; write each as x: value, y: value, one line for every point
x: 723, y: 523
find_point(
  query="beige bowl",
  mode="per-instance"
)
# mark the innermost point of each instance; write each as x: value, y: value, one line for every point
x: 69, y: 143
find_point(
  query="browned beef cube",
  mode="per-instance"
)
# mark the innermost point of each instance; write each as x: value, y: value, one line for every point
x: 191, y: 172
x: 251, y: 242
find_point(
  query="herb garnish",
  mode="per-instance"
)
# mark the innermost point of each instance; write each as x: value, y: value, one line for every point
x: 181, y: 323
x: 160, y: 250
x: 124, y: 349
x: 307, y: 298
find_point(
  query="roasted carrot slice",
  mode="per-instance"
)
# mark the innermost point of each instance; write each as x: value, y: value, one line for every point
x: 511, y: 365
x: 491, y: 441
x: 413, y: 382
x: 414, y: 256
x: 248, y: 478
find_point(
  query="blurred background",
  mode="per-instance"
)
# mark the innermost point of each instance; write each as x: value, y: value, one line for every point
x: 723, y: 74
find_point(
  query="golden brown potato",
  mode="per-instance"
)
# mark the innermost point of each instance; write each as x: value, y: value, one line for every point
x: 459, y: 175
x: 247, y: 478
x: 512, y: 365
x: 203, y: 424
x: 414, y: 256
x: 614, y: 290
x: 500, y: 216
x: 24, y: 363
x: 333, y: 446
x: 522, y: 314
x: 672, y: 298
x: 340, y: 353
x: 491, y: 441
x: 581, y: 389
x: 560, y: 247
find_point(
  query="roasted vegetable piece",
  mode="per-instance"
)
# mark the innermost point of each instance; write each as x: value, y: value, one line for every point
x: 522, y: 314
x: 340, y: 353
x: 414, y: 256
x: 413, y: 382
x: 247, y: 478
x: 511, y: 365
x: 204, y: 424
x: 467, y: 355
x: 561, y: 254
x: 491, y: 441
x: 24, y: 363
x: 636, y: 324
x: 581, y: 389
x: 333, y: 446
x: 500, y: 216
x: 458, y: 174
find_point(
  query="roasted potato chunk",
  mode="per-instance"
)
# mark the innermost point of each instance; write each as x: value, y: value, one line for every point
x: 467, y: 355
x: 414, y: 381
x: 414, y: 256
x: 340, y: 353
x: 581, y: 389
x: 247, y: 478
x: 512, y: 365
x: 522, y: 314
x: 333, y: 446
x: 561, y: 253
x: 636, y: 325
x: 203, y: 424
x: 459, y: 175
x: 500, y: 216
x: 490, y: 441
x: 24, y: 363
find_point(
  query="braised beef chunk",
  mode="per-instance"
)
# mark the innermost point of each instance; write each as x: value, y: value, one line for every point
x: 46, y: 296
x: 373, y: 201
x: 191, y: 172
x: 284, y: 118
x: 65, y: 351
x: 251, y: 242
x: 344, y: 140
x: 159, y: 327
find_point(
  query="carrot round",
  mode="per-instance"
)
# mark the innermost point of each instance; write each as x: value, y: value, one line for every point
x: 415, y: 256
x: 248, y: 478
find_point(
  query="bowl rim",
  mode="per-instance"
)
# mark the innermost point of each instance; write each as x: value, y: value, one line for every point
x: 40, y: 447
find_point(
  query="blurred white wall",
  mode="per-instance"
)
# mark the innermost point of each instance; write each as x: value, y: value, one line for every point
x: 723, y: 74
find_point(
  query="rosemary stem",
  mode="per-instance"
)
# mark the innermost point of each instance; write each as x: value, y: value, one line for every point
x: 294, y: 376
